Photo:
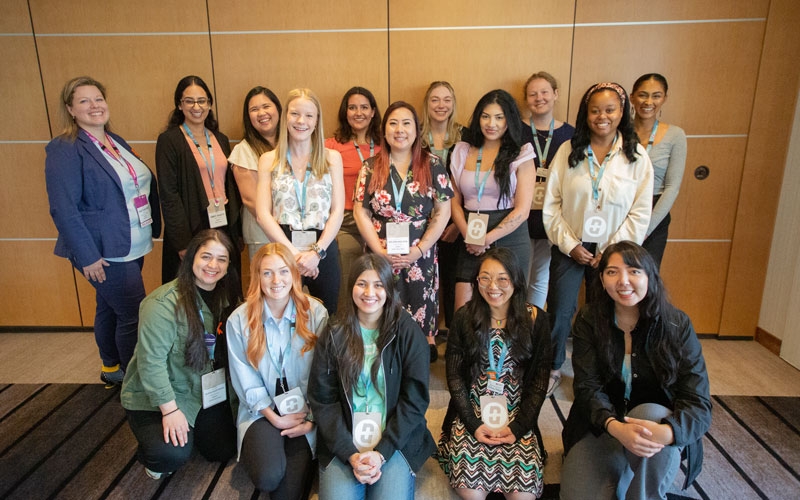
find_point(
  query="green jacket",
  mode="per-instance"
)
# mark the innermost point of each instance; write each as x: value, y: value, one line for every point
x: 157, y: 373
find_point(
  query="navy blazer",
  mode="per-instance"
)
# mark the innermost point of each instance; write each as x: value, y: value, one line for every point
x: 87, y: 202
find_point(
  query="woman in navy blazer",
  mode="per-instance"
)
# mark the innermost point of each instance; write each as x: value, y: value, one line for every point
x: 104, y: 203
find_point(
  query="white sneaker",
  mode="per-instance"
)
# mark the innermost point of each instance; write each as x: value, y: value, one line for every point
x: 153, y: 474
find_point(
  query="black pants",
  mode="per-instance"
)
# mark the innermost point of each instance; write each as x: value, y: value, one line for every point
x: 214, y: 435
x: 279, y: 465
x: 657, y: 241
x: 325, y: 286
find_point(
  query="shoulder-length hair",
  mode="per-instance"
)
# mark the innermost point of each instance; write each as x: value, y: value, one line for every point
x: 518, y: 321
x: 345, y: 132
x: 257, y: 343
x: 251, y: 135
x: 655, y: 308
x: 582, y: 137
x: 453, y: 128
x: 350, y: 353
x: 176, y: 117
x: 69, y: 128
x: 196, y: 355
x: 318, y: 159
x: 511, y: 142
x: 420, y: 162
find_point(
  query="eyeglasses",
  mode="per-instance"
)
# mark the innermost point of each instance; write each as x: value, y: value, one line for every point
x: 500, y: 281
x: 189, y: 102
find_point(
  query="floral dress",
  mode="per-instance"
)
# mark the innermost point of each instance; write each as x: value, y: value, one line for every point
x: 419, y: 284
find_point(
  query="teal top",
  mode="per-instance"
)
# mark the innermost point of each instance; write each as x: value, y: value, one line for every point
x: 367, y: 397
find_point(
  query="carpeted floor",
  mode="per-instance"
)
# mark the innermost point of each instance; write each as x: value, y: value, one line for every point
x: 71, y: 441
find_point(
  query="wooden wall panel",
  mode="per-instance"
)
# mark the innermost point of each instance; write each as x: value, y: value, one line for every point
x: 26, y: 211
x: 15, y: 18
x: 418, y: 13
x: 38, y: 287
x: 21, y: 88
x: 330, y: 75
x: 711, y: 86
x: 770, y: 128
x: 466, y: 60
x: 615, y: 11
x: 258, y: 15
x: 695, y: 274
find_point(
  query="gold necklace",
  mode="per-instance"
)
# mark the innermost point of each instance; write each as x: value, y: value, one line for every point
x: 498, y: 321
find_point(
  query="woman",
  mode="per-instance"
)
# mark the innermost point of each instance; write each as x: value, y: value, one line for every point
x: 440, y: 133
x: 270, y: 347
x: 260, y: 117
x: 402, y: 205
x: 357, y: 139
x: 541, y: 94
x: 174, y: 390
x: 369, y: 392
x: 104, y: 203
x: 300, y: 196
x: 666, y: 147
x: 599, y: 192
x: 496, y: 350
x: 641, y: 386
x: 196, y: 186
x: 486, y: 171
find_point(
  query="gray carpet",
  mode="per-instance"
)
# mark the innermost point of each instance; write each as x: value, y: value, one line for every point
x: 71, y: 441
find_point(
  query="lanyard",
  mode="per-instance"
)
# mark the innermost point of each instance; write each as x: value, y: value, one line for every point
x: 596, y: 176
x: 441, y: 153
x: 209, y: 338
x: 481, y: 184
x: 398, y: 194
x: 494, y: 369
x: 210, y: 170
x: 119, y: 158
x: 652, y: 136
x: 371, y: 149
x: 301, y: 196
x: 286, y: 350
x: 542, y: 154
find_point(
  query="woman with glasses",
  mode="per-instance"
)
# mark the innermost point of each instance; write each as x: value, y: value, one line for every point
x: 498, y: 361
x: 196, y: 187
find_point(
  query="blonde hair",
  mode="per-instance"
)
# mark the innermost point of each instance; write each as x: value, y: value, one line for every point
x: 69, y: 128
x: 257, y: 342
x: 318, y: 160
x: 453, y: 129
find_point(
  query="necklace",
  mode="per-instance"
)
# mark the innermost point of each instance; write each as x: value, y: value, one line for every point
x: 498, y: 321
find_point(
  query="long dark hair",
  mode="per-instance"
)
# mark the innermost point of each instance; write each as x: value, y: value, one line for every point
x: 223, y: 295
x: 176, y: 117
x: 655, y: 309
x: 518, y: 322
x: 511, y: 141
x: 251, y: 135
x: 350, y: 353
x: 344, y: 132
x: 582, y: 137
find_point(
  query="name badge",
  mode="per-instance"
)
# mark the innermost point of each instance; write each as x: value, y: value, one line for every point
x: 542, y: 172
x: 213, y: 388
x: 302, y: 240
x: 216, y: 215
x: 142, y: 207
x: 477, y: 227
x: 495, y: 386
x: 595, y: 226
x: 291, y: 402
x: 537, y: 203
x: 366, y: 430
x: 398, y: 238
x: 494, y: 411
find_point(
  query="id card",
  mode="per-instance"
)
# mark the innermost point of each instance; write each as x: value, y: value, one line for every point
x: 595, y: 226
x: 477, y: 227
x: 537, y: 203
x: 142, y: 207
x: 302, y: 240
x: 291, y: 402
x: 398, y: 238
x: 542, y: 172
x: 213, y: 388
x: 366, y: 430
x: 494, y: 412
x: 216, y: 215
x: 495, y: 386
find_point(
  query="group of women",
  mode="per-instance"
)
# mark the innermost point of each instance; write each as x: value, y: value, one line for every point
x: 340, y: 374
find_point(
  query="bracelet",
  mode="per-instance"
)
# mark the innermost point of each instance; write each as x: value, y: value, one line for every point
x: 608, y: 422
x: 169, y: 413
x: 421, y: 253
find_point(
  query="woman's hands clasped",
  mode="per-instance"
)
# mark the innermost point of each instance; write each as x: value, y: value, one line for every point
x: 366, y: 466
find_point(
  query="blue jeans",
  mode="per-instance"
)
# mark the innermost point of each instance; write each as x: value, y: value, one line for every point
x: 540, y: 272
x: 337, y: 482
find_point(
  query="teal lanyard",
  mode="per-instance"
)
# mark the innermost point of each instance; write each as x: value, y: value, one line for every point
x: 441, y: 153
x: 398, y: 194
x: 286, y: 351
x: 596, y: 176
x: 209, y: 170
x: 481, y: 184
x: 371, y: 149
x: 208, y: 338
x: 495, y: 368
x: 301, y: 194
x: 652, y: 137
x: 543, y: 154
x: 366, y: 382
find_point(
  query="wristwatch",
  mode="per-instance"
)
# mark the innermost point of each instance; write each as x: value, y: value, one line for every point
x: 319, y: 251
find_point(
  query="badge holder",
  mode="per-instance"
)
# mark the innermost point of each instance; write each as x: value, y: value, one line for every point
x: 477, y: 227
x: 213, y: 388
x: 398, y: 238
x: 537, y: 203
x: 142, y: 207
x: 366, y: 430
x: 595, y: 226
x: 302, y: 240
x: 216, y: 215
x: 494, y: 411
x: 291, y: 402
